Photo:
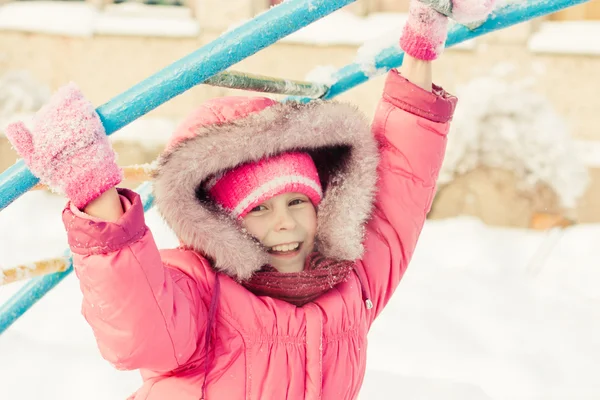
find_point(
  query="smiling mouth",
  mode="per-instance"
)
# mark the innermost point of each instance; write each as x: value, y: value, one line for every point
x: 285, y: 249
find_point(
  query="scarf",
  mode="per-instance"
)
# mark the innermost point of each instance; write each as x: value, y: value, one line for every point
x: 319, y: 275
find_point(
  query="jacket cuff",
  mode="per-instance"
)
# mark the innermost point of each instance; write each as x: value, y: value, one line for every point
x: 89, y: 235
x: 437, y: 105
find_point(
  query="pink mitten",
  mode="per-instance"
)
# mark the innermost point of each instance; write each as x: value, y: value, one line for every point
x: 68, y: 149
x: 426, y: 29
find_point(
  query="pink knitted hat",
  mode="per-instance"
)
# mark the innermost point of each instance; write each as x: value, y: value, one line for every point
x: 241, y: 189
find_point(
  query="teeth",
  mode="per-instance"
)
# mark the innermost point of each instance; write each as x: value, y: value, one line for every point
x: 285, y: 247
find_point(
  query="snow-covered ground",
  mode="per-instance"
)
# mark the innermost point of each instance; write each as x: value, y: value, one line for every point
x: 482, y: 313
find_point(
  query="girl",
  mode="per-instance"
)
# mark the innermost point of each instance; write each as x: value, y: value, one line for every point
x: 296, y: 222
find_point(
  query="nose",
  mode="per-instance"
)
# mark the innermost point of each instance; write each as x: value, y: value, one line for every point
x: 284, y: 220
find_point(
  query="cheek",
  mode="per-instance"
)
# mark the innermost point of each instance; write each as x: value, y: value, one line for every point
x: 255, y: 227
x: 311, y: 223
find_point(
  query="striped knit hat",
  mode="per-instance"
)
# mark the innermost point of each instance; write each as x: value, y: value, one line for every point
x: 241, y: 189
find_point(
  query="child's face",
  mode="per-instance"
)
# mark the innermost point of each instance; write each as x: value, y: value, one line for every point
x: 288, y: 219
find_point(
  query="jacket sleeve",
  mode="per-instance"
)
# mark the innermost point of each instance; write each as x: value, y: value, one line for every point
x: 411, y: 125
x: 143, y: 314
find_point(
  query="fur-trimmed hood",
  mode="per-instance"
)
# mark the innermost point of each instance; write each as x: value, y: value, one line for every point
x: 336, y: 135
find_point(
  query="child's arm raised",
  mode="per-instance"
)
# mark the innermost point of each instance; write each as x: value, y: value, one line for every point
x: 411, y: 123
x: 417, y: 72
x: 143, y: 314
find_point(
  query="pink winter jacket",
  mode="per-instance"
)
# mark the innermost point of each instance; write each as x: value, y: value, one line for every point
x: 150, y: 309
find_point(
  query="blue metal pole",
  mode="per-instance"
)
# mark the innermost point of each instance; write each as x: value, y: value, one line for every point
x: 392, y: 57
x: 28, y: 295
x: 225, y: 51
x: 14, y: 182
x: 37, y: 287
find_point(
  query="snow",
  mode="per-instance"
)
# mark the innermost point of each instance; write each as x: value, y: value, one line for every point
x: 325, y: 74
x: 501, y: 123
x: 20, y: 96
x: 480, y: 314
x: 144, y: 20
x: 367, y: 53
x: 83, y: 19
x: 589, y: 152
x: 567, y: 37
x: 52, y: 17
x: 150, y: 132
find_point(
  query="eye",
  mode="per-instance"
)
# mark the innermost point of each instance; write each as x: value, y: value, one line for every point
x: 296, y: 202
x: 258, y: 208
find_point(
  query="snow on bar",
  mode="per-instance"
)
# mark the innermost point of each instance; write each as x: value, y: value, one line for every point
x: 38, y: 268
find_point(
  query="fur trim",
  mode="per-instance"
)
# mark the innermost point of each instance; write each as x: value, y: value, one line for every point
x: 345, y: 152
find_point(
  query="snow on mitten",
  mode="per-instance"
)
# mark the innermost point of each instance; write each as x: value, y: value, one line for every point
x: 68, y: 149
x: 425, y: 32
x: 466, y: 11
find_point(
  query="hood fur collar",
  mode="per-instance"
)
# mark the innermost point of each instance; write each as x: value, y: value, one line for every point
x: 345, y: 153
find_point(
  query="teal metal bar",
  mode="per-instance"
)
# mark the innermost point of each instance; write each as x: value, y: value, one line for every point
x: 227, y: 50
x: 266, y: 84
x: 29, y: 294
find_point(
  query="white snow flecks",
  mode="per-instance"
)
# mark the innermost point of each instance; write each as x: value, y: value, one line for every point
x: 324, y: 74
x: 508, y: 125
x: 20, y: 97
